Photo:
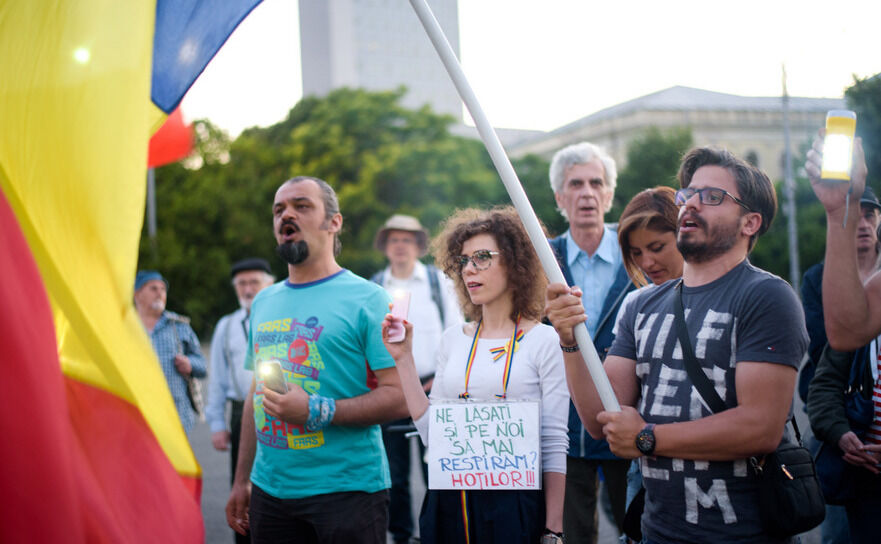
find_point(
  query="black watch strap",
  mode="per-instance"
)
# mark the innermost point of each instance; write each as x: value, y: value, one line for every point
x: 645, y: 440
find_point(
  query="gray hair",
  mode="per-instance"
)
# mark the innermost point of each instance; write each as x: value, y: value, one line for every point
x: 581, y: 153
x: 331, y: 204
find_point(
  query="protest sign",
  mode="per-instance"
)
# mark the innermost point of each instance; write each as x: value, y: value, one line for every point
x: 489, y: 445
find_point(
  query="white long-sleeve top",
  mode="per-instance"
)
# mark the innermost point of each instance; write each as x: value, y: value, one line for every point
x: 227, y: 378
x: 537, y: 373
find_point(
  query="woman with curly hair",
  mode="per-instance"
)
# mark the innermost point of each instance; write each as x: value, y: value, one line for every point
x: 501, y: 288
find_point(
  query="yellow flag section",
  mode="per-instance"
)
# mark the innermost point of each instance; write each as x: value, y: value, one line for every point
x: 75, y: 119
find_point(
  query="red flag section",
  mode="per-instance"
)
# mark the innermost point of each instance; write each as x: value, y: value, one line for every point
x: 79, y: 464
x: 172, y: 142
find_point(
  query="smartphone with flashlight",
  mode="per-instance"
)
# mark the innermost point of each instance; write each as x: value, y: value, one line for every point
x: 838, y: 145
x: 272, y: 376
x: 400, y: 309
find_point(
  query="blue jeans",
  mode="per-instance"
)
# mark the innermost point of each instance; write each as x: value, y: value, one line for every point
x: 834, y: 529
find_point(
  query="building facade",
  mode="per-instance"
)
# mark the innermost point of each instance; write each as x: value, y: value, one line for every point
x: 377, y: 45
x: 750, y: 127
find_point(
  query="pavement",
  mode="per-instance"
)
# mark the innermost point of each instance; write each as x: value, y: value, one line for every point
x: 215, y: 484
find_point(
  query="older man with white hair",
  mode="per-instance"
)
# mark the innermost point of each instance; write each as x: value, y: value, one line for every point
x: 583, y: 179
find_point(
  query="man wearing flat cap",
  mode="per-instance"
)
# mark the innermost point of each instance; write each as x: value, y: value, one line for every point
x: 229, y: 381
x: 174, y: 341
x: 433, y: 308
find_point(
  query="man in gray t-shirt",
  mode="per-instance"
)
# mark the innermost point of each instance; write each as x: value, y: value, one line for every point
x: 735, y: 318
x: 748, y: 334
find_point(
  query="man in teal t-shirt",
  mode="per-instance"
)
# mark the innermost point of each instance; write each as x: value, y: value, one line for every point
x: 311, y: 462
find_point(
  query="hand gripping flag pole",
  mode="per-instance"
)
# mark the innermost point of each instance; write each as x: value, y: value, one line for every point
x: 515, y: 191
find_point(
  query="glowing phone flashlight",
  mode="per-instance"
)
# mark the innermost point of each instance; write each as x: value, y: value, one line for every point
x: 838, y: 145
x: 272, y: 376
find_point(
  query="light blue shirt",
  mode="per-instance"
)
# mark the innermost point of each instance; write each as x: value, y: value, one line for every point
x: 594, y: 274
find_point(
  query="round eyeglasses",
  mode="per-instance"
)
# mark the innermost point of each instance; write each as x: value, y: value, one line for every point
x: 481, y: 259
x: 709, y: 196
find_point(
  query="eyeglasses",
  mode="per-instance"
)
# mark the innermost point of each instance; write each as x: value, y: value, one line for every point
x: 481, y: 259
x: 711, y: 196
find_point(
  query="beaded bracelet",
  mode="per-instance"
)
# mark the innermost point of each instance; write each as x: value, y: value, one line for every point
x: 321, y: 411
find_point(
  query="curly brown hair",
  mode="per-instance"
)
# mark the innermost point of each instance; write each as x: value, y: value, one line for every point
x: 526, y: 279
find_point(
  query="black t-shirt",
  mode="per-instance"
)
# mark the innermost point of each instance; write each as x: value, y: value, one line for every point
x: 746, y: 315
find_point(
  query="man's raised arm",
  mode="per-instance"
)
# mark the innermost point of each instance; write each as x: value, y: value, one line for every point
x: 565, y: 311
x: 852, y: 311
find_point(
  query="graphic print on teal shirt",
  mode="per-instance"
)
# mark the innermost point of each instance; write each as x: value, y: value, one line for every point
x: 294, y: 346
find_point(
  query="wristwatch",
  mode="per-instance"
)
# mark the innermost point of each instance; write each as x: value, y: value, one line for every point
x: 645, y: 440
x: 550, y: 537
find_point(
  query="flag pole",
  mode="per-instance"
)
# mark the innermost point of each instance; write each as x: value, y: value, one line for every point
x: 515, y: 191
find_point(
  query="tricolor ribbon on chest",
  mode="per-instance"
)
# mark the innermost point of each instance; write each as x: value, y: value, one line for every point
x: 508, y: 349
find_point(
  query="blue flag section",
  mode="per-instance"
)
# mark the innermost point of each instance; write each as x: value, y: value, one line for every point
x: 188, y: 34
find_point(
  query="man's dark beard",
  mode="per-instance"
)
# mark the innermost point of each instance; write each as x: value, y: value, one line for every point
x: 293, y: 252
x: 720, y: 239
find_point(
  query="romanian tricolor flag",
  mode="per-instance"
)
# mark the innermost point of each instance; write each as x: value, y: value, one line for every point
x: 93, y: 450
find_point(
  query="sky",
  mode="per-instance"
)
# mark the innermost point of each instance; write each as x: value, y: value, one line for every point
x: 541, y: 65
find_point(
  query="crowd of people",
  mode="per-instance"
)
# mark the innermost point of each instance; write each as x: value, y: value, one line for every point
x: 666, y: 292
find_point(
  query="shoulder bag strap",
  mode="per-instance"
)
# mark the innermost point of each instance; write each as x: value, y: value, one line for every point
x: 698, y: 378
x: 178, y: 346
x: 434, y: 283
x: 227, y: 354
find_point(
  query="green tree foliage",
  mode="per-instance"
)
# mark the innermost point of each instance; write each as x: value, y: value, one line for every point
x: 864, y: 97
x: 772, y: 249
x: 652, y: 159
x: 533, y: 173
x: 380, y: 157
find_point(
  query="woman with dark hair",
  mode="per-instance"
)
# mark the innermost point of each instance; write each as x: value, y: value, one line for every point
x: 501, y: 288
x: 647, y: 236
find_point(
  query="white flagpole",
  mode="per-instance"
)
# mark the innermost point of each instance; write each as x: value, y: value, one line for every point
x: 515, y: 191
